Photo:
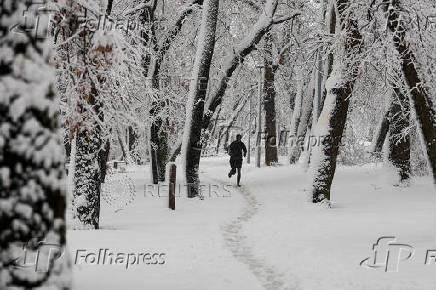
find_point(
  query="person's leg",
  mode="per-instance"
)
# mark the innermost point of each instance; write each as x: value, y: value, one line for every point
x: 239, y: 176
x: 232, y: 170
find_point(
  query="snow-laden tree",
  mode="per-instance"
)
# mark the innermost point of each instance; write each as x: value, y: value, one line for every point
x: 422, y: 101
x: 99, y: 74
x: 32, y: 197
x: 197, y: 95
x: 269, y: 103
x: 74, y: 60
x: 159, y: 43
x: 331, y: 122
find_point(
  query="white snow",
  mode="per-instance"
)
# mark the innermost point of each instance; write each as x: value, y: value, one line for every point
x: 265, y: 235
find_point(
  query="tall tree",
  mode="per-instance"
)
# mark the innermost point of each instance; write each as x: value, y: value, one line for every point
x: 32, y: 197
x: 269, y: 104
x: 159, y: 147
x: 83, y: 57
x: 304, y: 119
x: 421, y: 100
x: 197, y: 95
x: 332, y: 120
x: 235, y: 57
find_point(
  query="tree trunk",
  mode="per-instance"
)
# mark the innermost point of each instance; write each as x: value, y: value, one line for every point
x: 153, y: 154
x: 212, y: 128
x: 103, y: 158
x: 304, y: 120
x: 158, y: 130
x: 133, y: 143
x: 86, y: 201
x: 269, y: 105
x: 328, y: 67
x: 197, y: 94
x: 162, y: 147
x: 296, y: 114
x: 320, y: 71
x: 380, y: 133
x: 218, y: 144
x: 421, y: 101
x: 399, y: 145
x: 226, y: 139
x: 334, y: 114
x: 159, y: 153
x: 103, y: 154
x: 124, y: 150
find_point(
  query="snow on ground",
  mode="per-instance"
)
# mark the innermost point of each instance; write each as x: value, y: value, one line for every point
x: 195, y: 252
x: 322, y: 248
x: 266, y: 235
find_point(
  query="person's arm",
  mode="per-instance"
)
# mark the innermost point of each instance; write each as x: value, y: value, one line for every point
x: 229, y: 149
x: 244, y: 149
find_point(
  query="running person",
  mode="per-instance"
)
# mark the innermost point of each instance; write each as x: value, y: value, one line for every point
x: 236, y: 149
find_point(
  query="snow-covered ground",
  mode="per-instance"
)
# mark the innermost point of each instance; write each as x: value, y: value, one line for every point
x: 264, y: 235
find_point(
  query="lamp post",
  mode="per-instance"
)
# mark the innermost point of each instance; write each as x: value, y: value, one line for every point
x: 259, y: 118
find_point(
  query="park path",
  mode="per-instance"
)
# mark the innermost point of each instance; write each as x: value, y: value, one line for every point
x: 236, y: 241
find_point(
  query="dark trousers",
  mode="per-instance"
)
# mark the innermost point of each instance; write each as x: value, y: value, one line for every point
x: 236, y: 165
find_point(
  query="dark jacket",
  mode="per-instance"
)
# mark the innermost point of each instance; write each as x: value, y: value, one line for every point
x: 236, y: 149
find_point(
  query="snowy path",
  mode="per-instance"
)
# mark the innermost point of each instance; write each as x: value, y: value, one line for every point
x: 237, y: 243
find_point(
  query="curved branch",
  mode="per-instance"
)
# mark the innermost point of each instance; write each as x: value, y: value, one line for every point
x: 237, y: 54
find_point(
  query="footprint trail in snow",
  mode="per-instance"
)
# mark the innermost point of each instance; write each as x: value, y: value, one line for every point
x: 237, y: 243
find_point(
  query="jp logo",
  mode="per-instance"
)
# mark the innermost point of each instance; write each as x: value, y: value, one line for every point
x: 36, y: 20
x: 387, y: 254
x: 40, y: 257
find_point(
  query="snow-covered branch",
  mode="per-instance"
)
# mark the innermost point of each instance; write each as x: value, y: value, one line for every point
x: 236, y: 55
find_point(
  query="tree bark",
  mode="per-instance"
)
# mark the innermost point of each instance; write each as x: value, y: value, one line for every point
x: 197, y: 93
x: 103, y: 158
x: 86, y: 201
x: 153, y: 155
x: 380, y: 133
x: 304, y: 120
x: 328, y: 67
x: 133, y: 142
x: 334, y: 114
x: 296, y: 113
x: 421, y: 101
x: 158, y: 132
x: 269, y: 104
x: 399, y: 145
